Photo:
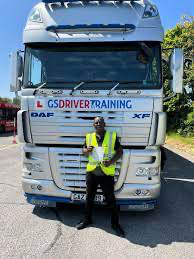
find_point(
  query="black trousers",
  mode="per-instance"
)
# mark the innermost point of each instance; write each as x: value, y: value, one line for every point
x: 107, y: 185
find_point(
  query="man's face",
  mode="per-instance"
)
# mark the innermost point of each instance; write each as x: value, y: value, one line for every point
x: 99, y: 124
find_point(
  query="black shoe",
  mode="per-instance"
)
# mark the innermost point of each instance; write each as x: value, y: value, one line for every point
x: 84, y: 224
x: 118, y: 229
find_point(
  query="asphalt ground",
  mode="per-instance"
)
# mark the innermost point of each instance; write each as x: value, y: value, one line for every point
x: 32, y: 232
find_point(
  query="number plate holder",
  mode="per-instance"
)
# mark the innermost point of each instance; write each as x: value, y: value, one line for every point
x: 99, y: 198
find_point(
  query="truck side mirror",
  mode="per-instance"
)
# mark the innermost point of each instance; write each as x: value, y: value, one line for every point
x: 16, y: 67
x: 177, y: 67
x: 166, y: 70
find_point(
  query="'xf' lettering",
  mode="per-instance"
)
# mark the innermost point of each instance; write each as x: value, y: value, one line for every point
x: 141, y: 116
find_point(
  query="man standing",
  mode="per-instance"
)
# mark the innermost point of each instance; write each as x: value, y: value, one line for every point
x: 103, y: 149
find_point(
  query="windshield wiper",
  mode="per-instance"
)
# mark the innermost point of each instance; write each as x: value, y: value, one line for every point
x: 76, y: 87
x: 87, y: 82
x: 38, y: 88
x: 46, y: 83
x: 113, y: 88
x: 122, y: 83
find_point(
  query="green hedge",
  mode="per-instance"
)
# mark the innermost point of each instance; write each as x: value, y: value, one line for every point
x: 180, y: 110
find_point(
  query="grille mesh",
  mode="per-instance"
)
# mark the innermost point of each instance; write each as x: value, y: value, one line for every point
x: 72, y: 170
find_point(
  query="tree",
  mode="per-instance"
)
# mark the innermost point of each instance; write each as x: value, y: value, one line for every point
x: 16, y: 101
x: 5, y: 100
x: 179, y: 107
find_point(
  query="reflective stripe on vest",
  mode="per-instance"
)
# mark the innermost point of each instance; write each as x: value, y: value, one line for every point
x: 109, y: 145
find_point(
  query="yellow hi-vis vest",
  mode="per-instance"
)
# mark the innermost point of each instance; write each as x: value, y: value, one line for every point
x: 108, y: 145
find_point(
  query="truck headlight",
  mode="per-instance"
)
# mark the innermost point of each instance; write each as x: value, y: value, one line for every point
x: 37, y: 167
x: 150, y: 11
x: 151, y: 171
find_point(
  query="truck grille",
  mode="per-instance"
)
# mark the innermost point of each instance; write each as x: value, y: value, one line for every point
x: 69, y: 168
x: 70, y: 128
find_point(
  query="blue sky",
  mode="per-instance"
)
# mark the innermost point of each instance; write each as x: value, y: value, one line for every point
x: 13, y: 18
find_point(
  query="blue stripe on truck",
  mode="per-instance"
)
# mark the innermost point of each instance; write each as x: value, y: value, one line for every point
x: 68, y: 200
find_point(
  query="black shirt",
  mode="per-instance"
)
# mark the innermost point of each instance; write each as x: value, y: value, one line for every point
x: 98, y: 171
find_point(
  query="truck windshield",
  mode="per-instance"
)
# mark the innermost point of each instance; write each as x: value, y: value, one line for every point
x: 99, y: 65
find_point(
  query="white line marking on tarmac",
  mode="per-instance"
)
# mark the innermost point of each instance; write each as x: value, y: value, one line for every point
x: 179, y: 179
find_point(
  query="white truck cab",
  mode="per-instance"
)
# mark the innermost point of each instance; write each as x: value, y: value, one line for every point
x: 85, y: 59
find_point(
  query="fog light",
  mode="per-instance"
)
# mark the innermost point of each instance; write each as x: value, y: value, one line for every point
x: 146, y: 192
x: 142, y: 192
x: 138, y: 192
x: 33, y: 186
x: 39, y: 187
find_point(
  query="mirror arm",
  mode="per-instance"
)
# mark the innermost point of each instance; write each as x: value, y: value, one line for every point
x: 169, y: 97
x: 17, y: 95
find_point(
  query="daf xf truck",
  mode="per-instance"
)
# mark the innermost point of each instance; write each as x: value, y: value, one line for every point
x: 84, y: 59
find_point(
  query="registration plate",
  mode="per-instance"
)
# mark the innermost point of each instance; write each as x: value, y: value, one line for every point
x: 39, y: 202
x: 141, y: 207
x: 82, y: 197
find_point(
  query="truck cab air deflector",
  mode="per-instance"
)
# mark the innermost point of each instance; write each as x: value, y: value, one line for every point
x: 93, y: 27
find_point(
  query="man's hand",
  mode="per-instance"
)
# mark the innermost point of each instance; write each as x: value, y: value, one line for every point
x: 115, y: 158
x: 88, y: 150
x: 107, y: 163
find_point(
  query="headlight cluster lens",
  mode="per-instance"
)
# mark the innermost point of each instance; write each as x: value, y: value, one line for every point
x: 27, y: 167
x: 35, y: 16
x: 33, y: 167
x: 151, y: 171
x: 150, y: 11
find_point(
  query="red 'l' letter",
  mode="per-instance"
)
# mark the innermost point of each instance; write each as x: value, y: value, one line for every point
x: 39, y: 105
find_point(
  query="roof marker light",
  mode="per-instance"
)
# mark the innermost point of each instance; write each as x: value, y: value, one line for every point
x: 150, y: 11
x: 35, y: 16
x: 69, y: 1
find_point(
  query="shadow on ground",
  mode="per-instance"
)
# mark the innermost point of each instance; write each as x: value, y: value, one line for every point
x: 171, y: 222
x: 8, y: 134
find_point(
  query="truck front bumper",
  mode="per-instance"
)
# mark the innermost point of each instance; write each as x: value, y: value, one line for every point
x: 38, y: 192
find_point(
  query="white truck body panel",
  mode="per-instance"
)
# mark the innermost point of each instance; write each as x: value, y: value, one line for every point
x: 105, y: 13
x: 52, y: 124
